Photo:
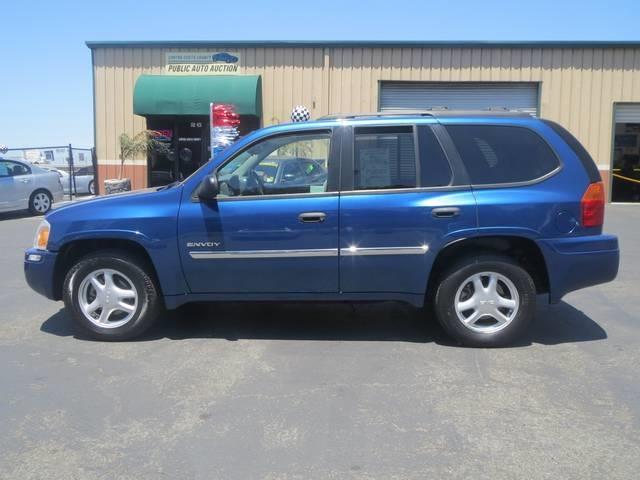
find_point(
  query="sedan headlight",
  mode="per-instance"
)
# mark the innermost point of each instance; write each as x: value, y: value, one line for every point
x: 42, y: 236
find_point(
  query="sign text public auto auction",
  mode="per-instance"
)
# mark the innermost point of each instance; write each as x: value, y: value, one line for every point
x: 202, y: 63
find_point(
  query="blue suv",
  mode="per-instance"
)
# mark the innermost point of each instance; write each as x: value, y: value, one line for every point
x: 471, y: 214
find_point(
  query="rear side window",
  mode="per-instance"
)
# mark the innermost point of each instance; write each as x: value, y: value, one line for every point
x: 502, y: 154
x: 384, y: 158
x: 435, y: 170
x: 581, y: 152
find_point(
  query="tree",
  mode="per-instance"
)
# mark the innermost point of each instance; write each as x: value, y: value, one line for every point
x: 143, y: 142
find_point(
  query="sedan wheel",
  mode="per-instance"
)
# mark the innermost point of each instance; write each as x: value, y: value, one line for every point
x: 40, y: 203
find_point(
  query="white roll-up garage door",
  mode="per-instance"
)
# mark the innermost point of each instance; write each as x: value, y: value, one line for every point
x: 521, y: 96
x: 628, y: 113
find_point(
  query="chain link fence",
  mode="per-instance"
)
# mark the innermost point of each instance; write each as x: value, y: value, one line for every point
x: 76, y: 166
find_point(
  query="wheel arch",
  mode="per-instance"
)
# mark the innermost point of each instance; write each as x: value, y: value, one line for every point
x: 525, y: 251
x: 74, y: 250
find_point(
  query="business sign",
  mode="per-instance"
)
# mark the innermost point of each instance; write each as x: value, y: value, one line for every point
x: 202, y: 63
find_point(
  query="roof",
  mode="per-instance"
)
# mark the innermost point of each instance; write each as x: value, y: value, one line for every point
x: 363, y: 43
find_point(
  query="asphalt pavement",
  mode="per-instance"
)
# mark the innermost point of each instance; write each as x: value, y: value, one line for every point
x: 270, y: 391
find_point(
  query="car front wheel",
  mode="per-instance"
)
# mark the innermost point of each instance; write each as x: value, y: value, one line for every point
x: 486, y: 301
x: 111, y: 296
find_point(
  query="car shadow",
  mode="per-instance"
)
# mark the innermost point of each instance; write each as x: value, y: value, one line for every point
x: 388, y: 321
x: 16, y: 214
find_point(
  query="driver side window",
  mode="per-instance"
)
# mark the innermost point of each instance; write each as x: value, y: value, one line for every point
x: 281, y: 164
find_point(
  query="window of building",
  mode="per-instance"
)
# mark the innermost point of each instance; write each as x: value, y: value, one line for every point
x: 502, y: 154
x: 278, y: 165
x: 384, y: 158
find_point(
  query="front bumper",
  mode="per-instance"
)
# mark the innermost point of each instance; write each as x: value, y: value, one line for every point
x: 39, y: 266
x: 578, y: 262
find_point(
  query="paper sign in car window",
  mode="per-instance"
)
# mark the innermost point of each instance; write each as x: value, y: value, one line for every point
x: 374, y: 167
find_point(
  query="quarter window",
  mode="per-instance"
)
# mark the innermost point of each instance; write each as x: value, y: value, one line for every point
x: 384, y: 158
x: 435, y: 170
x: 502, y: 154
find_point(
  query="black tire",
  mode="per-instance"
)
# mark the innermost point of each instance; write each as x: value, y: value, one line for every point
x: 91, y: 188
x: 127, y: 268
x: 456, y: 277
x: 36, y: 206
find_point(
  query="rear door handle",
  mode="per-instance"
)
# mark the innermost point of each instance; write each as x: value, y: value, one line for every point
x: 25, y: 180
x: 445, y: 212
x: 312, y: 217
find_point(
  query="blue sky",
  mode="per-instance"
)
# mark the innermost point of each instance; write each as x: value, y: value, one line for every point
x: 45, y: 71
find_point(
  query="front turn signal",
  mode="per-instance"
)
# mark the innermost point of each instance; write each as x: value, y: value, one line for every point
x: 42, y: 236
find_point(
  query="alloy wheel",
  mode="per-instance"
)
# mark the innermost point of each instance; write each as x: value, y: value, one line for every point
x: 108, y: 298
x: 487, y: 302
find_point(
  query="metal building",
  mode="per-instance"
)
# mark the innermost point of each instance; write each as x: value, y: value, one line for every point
x: 592, y: 88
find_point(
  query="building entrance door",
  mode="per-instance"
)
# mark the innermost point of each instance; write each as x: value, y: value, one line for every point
x: 192, y: 148
x: 625, y: 182
x: 187, y: 141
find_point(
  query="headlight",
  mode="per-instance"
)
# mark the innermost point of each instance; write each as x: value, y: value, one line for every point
x: 42, y: 236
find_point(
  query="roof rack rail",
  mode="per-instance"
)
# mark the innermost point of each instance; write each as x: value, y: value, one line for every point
x: 386, y: 113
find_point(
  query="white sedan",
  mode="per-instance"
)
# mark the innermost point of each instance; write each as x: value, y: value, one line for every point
x: 83, y: 179
x: 24, y: 186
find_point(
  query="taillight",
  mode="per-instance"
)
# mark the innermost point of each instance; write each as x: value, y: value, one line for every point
x: 592, y: 205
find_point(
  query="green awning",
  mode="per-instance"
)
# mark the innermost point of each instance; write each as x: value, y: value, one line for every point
x: 192, y: 94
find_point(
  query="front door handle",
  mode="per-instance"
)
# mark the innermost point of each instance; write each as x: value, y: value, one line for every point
x: 445, y: 212
x: 25, y: 180
x: 312, y: 217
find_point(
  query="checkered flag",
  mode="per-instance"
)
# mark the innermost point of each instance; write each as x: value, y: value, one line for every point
x: 300, y: 114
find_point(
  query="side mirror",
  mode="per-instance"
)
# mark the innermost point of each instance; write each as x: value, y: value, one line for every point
x: 209, y: 188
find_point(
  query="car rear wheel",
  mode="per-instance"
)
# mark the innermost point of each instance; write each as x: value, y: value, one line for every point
x: 40, y: 202
x: 92, y: 188
x: 111, y: 296
x: 486, y: 301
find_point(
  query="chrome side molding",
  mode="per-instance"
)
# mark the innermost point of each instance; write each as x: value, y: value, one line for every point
x: 309, y: 252
x: 356, y: 251
x: 318, y: 252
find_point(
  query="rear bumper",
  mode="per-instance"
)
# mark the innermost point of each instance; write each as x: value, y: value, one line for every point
x: 58, y: 196
x: 39, y: 271
x: 578, y: 262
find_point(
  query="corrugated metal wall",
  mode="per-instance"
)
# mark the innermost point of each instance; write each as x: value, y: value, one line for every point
x: 520, y: 96
x: 578, y: 85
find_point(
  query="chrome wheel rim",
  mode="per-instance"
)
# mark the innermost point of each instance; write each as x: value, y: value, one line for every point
x: 487, y: 302
x: 92, y: 188
x: 108, y: 298
x: 41, y: 202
